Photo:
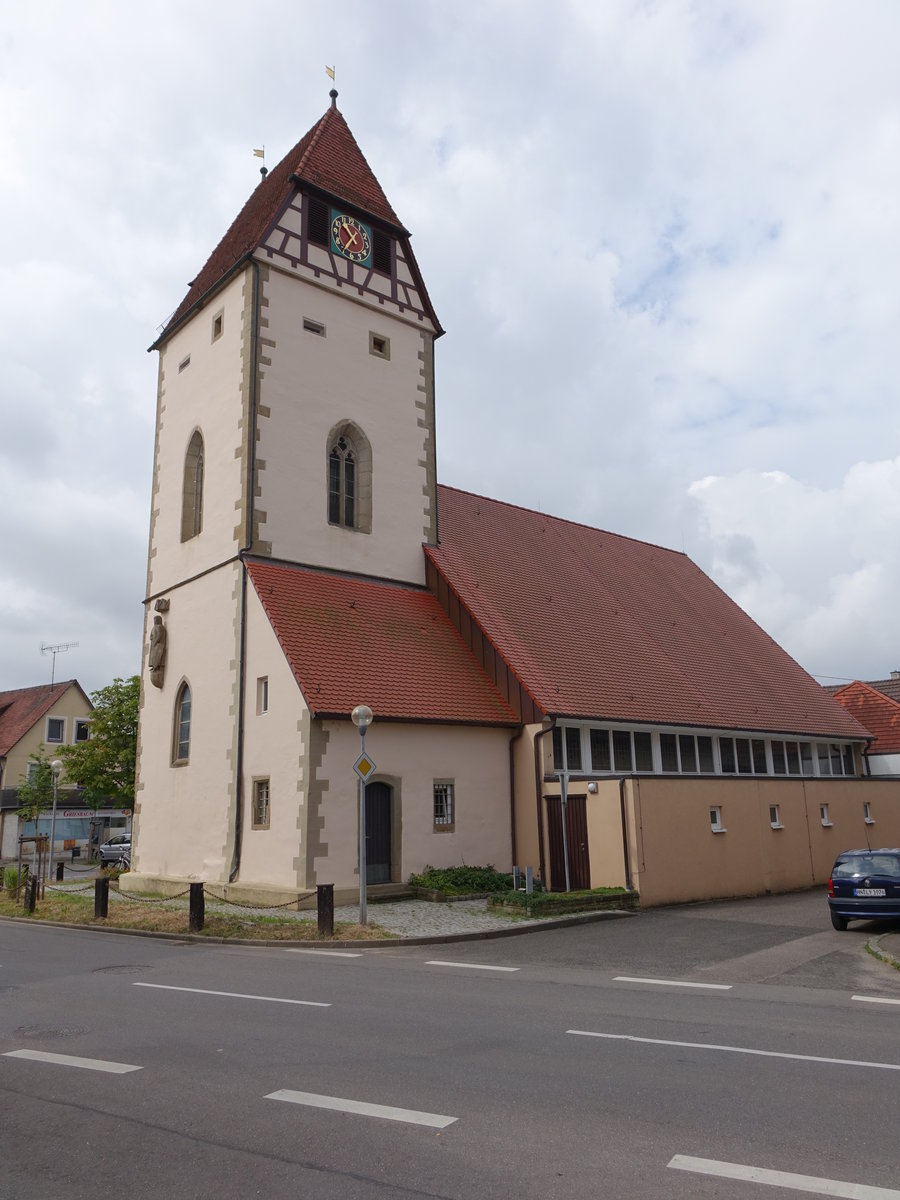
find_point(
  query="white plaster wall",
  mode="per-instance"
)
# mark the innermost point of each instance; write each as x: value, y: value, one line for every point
x: 411, y: 757
x: 205, y: 395
x: 274, y: 749
x: 184, y: 814
x: 313, y: 383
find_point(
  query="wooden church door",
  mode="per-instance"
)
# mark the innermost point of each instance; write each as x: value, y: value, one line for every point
x: 576, y: 837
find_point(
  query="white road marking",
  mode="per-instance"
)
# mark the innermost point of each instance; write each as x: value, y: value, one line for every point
x: 839, y: 1062
x: 875, y: 1000
x: 440, y: 962
x: 233, y: 995
x: 70, y: 1060
x: 783, y: 1179
x: 719, y: 987
x: 386, y: 1112
x: 326, y: 953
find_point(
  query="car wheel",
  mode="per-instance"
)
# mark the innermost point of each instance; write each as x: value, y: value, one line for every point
x: 840, y: 923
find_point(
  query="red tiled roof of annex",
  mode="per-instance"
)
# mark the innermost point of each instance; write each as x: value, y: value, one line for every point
x: 880, y: 714
x: 327, y: 157
x: 391, y: 646
x: 20, y: 710
x: 597, y: 625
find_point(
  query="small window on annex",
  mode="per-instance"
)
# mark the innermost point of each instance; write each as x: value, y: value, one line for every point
x: 260, y: 816
x: 181, y: 740
x: 444, y: 810
x: 192, y: 489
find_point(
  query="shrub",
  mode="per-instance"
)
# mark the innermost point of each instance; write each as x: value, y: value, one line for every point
x: 12, y: 879
x: 462, y: 881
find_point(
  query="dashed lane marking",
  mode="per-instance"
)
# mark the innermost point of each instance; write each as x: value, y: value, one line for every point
x: 71, y: 1060
x: 782, y: 1179
x: 717, y: 987
x: 325, y: 953
x: 441, y: 962
x: 384, y: 1111
x: 875, y: 1000
x: 166, y: 987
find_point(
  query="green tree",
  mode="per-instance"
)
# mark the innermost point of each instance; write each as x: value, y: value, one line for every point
x: 104, y: 765
x: 36, y: 788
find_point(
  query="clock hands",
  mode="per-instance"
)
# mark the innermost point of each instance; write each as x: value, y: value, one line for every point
x: 354, y: 233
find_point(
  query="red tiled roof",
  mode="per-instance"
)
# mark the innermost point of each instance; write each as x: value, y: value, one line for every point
x: 351, y: 641
x: 20, y: 710
x: 888, y: 687
x: 599, y: 625
x: 877, y: 712
x: 328, y: 158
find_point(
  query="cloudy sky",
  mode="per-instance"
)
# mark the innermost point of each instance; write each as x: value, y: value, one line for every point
x: 662, y: 237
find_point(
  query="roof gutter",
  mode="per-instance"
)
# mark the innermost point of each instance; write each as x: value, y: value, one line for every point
x: 248, y: 542
x: 538, y: 779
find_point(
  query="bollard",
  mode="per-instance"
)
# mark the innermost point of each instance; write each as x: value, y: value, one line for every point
x: 101, y: 898
x: 31, y: 887
x: 60, y: 867
x: 325, y: 908
x: 197, y: 913
x: 529, y: 881
x: 517, y: 875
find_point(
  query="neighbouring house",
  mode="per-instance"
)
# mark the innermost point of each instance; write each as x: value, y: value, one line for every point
x: 303, y: 560
x: 876, y: 706
x: 44, y: 719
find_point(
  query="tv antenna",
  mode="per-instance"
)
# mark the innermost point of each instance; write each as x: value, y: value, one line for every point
x: 54, y: 650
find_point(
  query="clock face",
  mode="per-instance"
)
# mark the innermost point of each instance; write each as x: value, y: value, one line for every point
x: 351, y: 238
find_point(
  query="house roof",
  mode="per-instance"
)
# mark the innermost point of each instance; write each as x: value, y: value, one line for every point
x: 350, y: 641
x: 327, y: 158
x: 880, y: 714
x: 20, y: 710
x: 601, y: 626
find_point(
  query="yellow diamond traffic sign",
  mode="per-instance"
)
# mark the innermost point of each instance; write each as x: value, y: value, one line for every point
x: 364, y: 767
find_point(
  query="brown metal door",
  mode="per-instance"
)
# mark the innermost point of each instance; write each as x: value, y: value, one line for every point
x: 378, y: 833
x: 576, y: 835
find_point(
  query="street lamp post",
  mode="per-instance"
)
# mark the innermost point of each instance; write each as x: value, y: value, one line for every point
x: 362, y: 718
x: 55, y: 767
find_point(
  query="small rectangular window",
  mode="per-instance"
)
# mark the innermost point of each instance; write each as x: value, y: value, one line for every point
x: 779, y: 764
x: 705, y: 754
x: 600, y: 759
x: 823, y: 758
x: 823, y: 815
x: 573, y: 748
x: 793, y: 758
x: 558, y: 763
x: 380, y: 346
x: 726, y: 751
x: 185, y: 363
x: 260, y: 804
x: 849, y: 761
x: 622, y: 749
x: 688, y: 752
x: 775, y: 817
x: 444, y: 816
x: 82, y: 730
x: 867, y: 814
x: 837, y: 767
x: 806, y: 759
x: 715, y: 820
x: 744, y: 763
x: 315, y: 327
x: 262, y: 695
x: 668, y: 752
x: 643, y: 752
x: 758, y: 749
x: 218, y: 325
x: 56, y: 729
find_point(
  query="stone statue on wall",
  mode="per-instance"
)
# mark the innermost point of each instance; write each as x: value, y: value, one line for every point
x: 158, y: 638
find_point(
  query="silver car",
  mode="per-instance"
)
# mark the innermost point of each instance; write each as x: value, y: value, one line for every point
x: 117, y: 849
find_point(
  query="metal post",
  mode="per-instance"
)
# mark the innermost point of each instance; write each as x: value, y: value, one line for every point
x: 101, y: 898
x: 529, y: 881
x: 564, y: 799
x: 325, y: 908
x: 363, y: 912
x: 55, y: 768
x: 197, y: 908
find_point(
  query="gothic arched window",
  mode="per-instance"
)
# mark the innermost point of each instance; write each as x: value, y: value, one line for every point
x: 192, y: 491
x: 349, y: 478
x: 181, y: 739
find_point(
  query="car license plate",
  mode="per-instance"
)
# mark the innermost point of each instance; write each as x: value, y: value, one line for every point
x: 868, y: 891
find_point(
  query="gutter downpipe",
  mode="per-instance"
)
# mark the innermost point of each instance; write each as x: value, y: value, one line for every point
x: 512, y: 791
x: 248, y: 543
x: 628, y: 884
x: 538, y: 776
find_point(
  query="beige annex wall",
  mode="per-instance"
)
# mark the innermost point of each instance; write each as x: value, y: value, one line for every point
x: 184, y: 815
x: 69, y: 706
x: 309, y: 383
x: 676, y: 857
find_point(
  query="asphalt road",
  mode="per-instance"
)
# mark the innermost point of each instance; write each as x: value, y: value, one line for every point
x: 577, y: 1063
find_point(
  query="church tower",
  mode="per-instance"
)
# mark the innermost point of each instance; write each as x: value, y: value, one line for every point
x: 295, y: 424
